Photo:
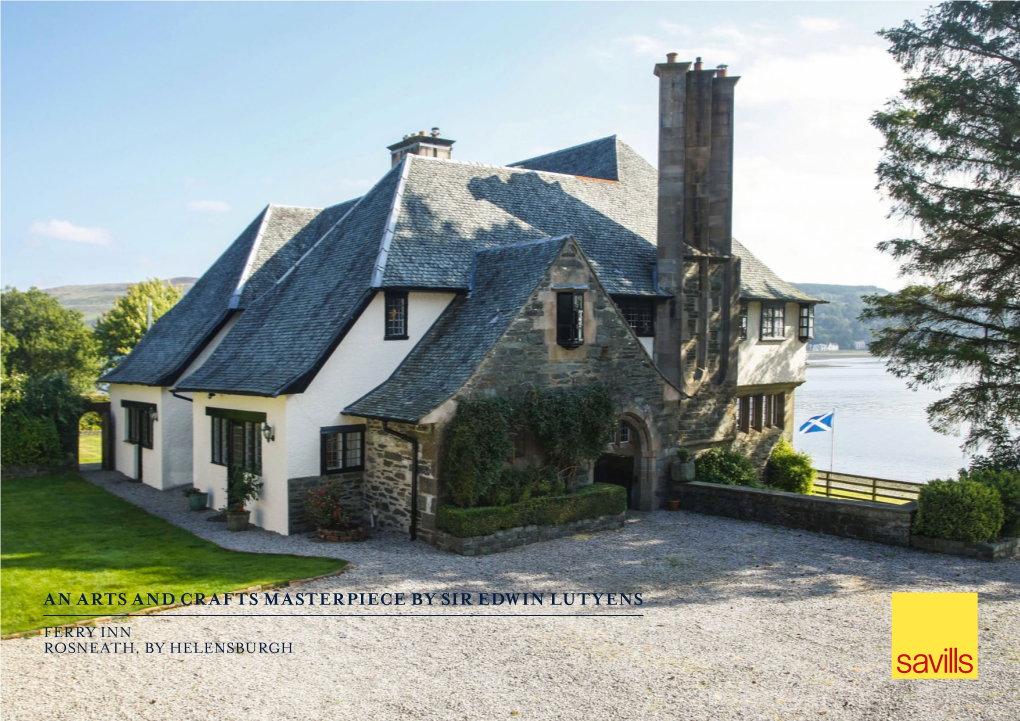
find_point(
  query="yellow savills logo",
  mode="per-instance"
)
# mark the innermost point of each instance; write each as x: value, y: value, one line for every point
x: 934, y: 635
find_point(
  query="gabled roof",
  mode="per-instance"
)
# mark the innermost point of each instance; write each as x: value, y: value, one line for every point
x: 504, y: 277
x: 260, y: 255
x: 759, y: 282
x: 291, y: 329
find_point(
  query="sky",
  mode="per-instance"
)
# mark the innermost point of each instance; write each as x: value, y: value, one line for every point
x: 140, y: 139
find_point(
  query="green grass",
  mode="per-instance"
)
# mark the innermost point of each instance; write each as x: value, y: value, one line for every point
x: 90, y: 449
x: 61, y: 534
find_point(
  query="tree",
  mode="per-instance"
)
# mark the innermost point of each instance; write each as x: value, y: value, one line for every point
x: 42, y: 337
x: 951, y: 165
x: 121, y: 327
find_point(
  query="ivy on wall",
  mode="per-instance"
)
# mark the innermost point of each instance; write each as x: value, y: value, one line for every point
x: 572, y: 425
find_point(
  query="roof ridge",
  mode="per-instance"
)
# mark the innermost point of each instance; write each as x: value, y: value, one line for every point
x: 503, y: 167
x: 504, y: 246
x: 242, y: 280
x: 299, y: 207
x: 391, y: 225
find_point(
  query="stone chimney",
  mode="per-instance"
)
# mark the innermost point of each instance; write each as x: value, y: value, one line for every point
x: 429, y: 145
x: 696, y: 330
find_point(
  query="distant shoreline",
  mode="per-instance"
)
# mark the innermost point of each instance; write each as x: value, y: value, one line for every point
x: 816, y: 355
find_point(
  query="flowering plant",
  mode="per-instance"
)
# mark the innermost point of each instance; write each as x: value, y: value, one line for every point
x: 325, y: 508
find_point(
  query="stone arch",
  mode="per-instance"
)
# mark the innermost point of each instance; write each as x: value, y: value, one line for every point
x: 102, y: 408
x: 644, y: 449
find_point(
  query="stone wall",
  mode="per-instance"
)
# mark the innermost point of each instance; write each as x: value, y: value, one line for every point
x: 528, y: 357
x: 882, y: 522
x: 387, y: 487
x: 514, y: 537
x: 352, y: 484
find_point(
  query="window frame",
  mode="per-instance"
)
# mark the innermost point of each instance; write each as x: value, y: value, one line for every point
x: 342, y: 432
x: 806, y: 322
x: 570, y: 318
x: 140, y: 427
x: 774, y: 312
x: 742, y: 328
x: 391, y: 297
x: 221, y: 445
x: 631, y: 305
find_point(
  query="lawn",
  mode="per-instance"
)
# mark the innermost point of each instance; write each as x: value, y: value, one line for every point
x: 90, y: 449
x: 61, y: 534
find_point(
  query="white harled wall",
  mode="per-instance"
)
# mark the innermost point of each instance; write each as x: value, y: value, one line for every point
x: 126, y: 460
x: 762, y: 362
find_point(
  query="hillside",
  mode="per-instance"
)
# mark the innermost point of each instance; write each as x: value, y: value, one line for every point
x: 836, y: 322
x: 93, y: 300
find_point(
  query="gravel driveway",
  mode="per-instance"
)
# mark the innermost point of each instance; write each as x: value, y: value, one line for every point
x: 741, y: 620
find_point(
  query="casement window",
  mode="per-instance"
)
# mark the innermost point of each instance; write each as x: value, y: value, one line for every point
x: 343, y: 449
x: 570, y: 319
x: 396, y: 315
x: 773, y: 321
x: 140, y: 419
x: 761, y: 411
x: 236, y: 438
x: 624, y: 434
x: 806, y: 322
x: 639, y: 314
x: 743, y: 320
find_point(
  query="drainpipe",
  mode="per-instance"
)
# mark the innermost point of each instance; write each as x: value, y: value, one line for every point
x: 414, y: 475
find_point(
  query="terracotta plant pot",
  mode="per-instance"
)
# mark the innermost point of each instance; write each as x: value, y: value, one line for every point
x: 674, y: 504
x: 197, y: 501
x: 351, y: 533
x: 238, y: 520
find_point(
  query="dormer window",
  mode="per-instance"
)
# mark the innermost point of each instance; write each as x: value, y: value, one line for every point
x: 570, y: 318
x: 773, y: 321
x: 396, y: 315
x: 806, y: 322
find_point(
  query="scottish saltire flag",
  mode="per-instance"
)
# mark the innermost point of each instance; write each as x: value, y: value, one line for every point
x: 818, y: 424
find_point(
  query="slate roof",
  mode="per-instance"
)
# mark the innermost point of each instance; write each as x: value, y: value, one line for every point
x: 295, y: 324
x: 303, y: 275
x: 759, y: 282
x: 596, y: 159
x: 444, y: 359
x: 253, y: 262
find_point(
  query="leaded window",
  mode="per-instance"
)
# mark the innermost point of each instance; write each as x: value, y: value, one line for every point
x: 570, y: 319
x: 773, y: 321
x: 396, y: 315
x: 639, y: 314
x: 806, y: 322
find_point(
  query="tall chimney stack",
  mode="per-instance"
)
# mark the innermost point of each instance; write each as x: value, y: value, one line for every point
x: 696, y: 331
x: 428, y: 145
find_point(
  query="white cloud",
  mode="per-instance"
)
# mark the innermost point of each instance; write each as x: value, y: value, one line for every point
x: 818, y: 25
x: 208, y: 206
x: 63, y: 230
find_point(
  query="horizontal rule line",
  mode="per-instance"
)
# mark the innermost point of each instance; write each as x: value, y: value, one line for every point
x: 342, y: 615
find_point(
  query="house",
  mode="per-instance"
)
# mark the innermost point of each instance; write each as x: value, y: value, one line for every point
x: 337, y: 343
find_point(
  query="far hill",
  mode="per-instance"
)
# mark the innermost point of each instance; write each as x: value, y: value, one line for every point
x: 836, y: 322
x: 94, y: 300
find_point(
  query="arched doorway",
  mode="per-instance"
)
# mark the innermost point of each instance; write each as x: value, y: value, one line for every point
x: 626, y: 463
x: 95, y: 449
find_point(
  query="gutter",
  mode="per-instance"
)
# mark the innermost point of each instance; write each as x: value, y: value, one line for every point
x: 414, y: 475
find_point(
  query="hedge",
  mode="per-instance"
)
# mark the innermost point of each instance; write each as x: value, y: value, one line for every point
x: 730, y: 468
x: 958, y: 510
x: 29, y: 441
x: 788, y: 470
x: 598, y: 499
x: 1007, y: 483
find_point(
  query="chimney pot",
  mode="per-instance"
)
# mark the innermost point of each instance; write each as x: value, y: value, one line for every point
x: 671, y: 57
x: 721, y: 71
x: 435, y: 132
x: 698, y: 64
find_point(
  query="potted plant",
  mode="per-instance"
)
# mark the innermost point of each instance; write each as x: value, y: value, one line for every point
x: 242, y: 486
x: 682, y: 470
x: 197, y: 499
x: 332, y: 522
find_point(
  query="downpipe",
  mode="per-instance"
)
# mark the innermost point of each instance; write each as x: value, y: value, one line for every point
x: 414, y: 475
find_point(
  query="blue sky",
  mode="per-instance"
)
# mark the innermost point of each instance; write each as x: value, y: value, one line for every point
x: 139, y: 139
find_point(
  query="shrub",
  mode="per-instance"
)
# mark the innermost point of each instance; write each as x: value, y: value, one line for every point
x: 720, y: 465
x: 242, y: 486
x: 90, y: 422
x: 958, y: 510
x: 477, y: 445
x: 788, y: 470
x: 1007, y: 483
x: 683, y: 454
x: 325, y: 508
x: 592, y: 501
x: 516, y: 484
x: 28, y: 441
x: 54, y: 397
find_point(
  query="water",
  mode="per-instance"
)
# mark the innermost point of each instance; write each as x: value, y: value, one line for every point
x: 881, y: 428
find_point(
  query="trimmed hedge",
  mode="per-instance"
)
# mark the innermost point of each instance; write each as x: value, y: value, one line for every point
x: 730, y: 468
x: 1007, y: 483
x: 788, y: 470
x: 598, y: 499
x: 958, y: 510
x: 29, y: 441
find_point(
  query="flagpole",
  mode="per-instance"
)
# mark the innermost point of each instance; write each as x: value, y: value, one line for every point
x: 832, y: 441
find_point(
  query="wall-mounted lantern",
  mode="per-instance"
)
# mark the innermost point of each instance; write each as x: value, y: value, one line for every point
x: 268, y: 433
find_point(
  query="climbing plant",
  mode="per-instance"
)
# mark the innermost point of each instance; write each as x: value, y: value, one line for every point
x: 572, y: 425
